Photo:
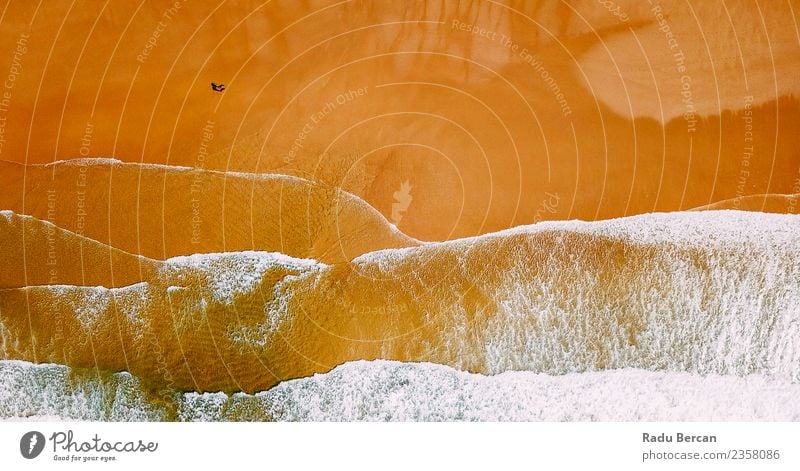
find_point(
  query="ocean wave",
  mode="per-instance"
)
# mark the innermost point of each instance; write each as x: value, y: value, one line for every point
x: 394, y: 391
x: 706, y: 293
x: 162, y: 211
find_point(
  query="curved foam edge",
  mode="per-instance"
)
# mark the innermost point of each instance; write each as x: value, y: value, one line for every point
x: 362, y: 204
x: 394, y: 391
x: 778, y: 203
x: 717, y: 227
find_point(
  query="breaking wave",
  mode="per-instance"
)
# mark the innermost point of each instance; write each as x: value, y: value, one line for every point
x: 713, y: 293
x: 393, y: 391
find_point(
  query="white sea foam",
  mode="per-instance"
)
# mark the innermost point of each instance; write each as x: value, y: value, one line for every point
x: 237, y: 273
x: 381, y: 391
x: 86, y: 161
x: 29, y: 390
x: 393, y: 391
x: 713, y: 293
x: 688, y: 228
x: 726, y: 305
x: 131, y: 301
x: 90, y: 308
x: 703, y: 229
